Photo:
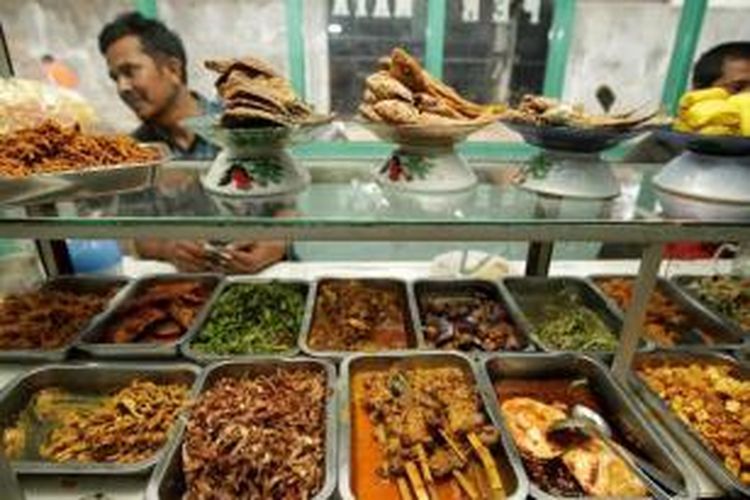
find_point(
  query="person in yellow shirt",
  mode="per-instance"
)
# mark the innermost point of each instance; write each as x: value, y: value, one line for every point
x: 58, y: 73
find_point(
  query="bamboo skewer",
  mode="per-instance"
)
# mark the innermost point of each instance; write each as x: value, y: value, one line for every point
x: 416, y: 481
x: 496, y: 485
x: 466, y: 485
x: 423, y: 463
x: 403, y: 489
x: 453, y: 446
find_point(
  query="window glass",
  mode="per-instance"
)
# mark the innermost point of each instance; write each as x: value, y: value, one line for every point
x: 496, y: 51
x: 359, y: 33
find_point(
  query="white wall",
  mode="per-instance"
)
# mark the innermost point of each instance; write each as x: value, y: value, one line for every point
x: 627, y: 45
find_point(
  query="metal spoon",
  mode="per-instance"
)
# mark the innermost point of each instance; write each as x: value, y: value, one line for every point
x: 581, y: 411
x: 588, y: 423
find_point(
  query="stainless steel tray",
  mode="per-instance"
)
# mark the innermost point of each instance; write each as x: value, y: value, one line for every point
x: 617, y: 404
x: 89, y: 342
x: 89, y: 378
x: 523, y: 292
x: 95, y: 284
x: 84, y: 183
x: 507, y: 459
x: 451, y: 287
x: 168, y: 482
x: 414, y: 336
x: 204, y: 358
x: 680, y: 284
x: 726, y: 337
x: 689, y: 439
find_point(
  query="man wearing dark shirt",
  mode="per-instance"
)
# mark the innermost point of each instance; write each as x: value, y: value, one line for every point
x: 148, y: 64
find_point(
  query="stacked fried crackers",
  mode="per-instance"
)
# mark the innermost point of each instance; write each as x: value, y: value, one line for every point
x: 403, y: 93
x: 255, y: 95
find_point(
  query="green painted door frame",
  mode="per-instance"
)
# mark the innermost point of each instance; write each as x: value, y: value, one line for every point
x: 146, y: 7
x: 435, y: 37
x: 295, y: 31
x: 558, y: 51
x: 683, y: 52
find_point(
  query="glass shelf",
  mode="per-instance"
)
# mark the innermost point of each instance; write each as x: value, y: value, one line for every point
x: 344, y: 203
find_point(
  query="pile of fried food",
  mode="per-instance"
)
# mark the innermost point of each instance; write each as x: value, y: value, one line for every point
x: 48, y: 318
x: 163, y: 312
x: 431, y: 428
x: 257, y: 437
x: 51, y: 147
x: 561, y: 468
x: 401, y: 92
x: 255, y: 96
x: 547, y: 111
x: 667, y: 322
x: 128, y: 426
x: 714, y: 401
x: 714, y: 111
x: 359, y: 315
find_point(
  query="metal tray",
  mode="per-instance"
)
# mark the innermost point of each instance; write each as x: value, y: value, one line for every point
x: 456, y: 287
x: 89, y: 344
x: 522, y: 292
x: 89, y: 377
x: 204, y: 358
x: 507, y: 459
x: 690, y: 440
x: 95, y: 284
x: 726, y: 337
x: 617, y: 405
x: 84, y: 183
x: 413, y: 334
x: 168, y: 482
x: 680, y: 284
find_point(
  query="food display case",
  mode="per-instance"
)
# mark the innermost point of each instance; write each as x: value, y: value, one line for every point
x: 381, y: 379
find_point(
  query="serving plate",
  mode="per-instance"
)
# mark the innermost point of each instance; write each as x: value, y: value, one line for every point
x: 83, y: 183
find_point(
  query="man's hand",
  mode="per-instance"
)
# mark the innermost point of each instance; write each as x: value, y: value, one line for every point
x: 252, y: 257
x: 187, y: 256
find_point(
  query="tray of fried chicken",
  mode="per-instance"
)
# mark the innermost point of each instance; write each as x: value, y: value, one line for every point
x: 151, y: 318
x: 405, y: 104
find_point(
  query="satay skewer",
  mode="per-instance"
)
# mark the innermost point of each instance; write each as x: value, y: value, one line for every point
x: 416, y: 481
x: 496, y: 484
x: 454, y: 446
x: 403, y: 488
x: 465, y: 484
x: 424, y: 464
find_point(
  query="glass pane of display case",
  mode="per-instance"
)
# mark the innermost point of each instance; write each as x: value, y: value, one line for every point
x: 343, y: 191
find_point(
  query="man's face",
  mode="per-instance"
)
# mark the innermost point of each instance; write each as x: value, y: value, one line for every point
x: 148, y: 87
x: 735, y: 75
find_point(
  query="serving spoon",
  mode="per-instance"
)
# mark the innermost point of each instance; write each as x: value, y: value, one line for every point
x: 585, y: 422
